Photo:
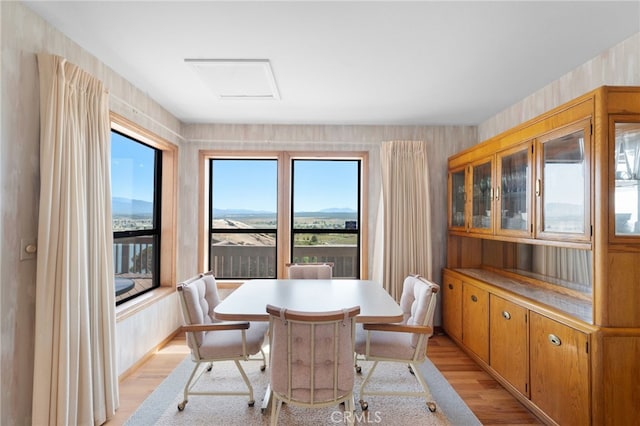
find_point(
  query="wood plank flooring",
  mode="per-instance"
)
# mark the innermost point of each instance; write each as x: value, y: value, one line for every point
x: 488, y: 400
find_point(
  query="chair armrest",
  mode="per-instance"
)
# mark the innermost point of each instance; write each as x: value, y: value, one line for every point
x: 216, y: 326
x: 402, y: 328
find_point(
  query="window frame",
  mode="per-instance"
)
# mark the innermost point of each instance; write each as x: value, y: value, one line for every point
x: 156, y: 219
x: 293, y: 230
x: 210, y: 209
x: 284, y: 217
x: 166, y: 209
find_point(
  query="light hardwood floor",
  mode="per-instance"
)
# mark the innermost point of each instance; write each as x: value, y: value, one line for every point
x: 488, y: 400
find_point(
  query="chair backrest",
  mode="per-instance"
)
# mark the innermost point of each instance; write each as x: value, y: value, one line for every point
x: 418, y: 302
x: 199, y: 296
x: 318, y: 271
x: 312, y: 354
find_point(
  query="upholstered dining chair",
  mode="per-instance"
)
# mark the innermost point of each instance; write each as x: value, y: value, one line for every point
x: 211, y: 340
x: 311, y: 359
x: 317, y: 271
x: 404, y: 342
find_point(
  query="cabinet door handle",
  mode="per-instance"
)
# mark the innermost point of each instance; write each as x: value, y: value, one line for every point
x: 538, y: 186
x: 506, y: 315
x: 497, y: 193
x: 474, y: 298
x: 450, y: 286
x: 554, y: 340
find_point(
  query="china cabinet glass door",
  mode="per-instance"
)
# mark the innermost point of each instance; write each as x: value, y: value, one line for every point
x: 513, y: 192
x: 458, y: 199
x: 562, y: 187
x: 481, y: 197
x: 626, y: 159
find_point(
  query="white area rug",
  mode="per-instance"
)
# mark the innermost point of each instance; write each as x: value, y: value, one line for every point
x: 160, y: 408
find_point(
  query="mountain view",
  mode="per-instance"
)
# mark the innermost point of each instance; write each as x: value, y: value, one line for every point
x: 137, y: 214
x: 126, y: 207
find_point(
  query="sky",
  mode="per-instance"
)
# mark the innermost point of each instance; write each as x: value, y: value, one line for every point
x: 252, y: 184
x: 241, y: 184
x: 131, y: 169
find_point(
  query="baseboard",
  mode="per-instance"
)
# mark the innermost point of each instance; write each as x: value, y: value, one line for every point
x: 148, y: 355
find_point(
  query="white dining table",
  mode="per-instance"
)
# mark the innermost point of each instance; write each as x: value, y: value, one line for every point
x: 248, y: 302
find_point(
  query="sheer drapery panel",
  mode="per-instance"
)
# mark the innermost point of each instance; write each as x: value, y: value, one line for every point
x: 404, y: 216
x: 75, y: 376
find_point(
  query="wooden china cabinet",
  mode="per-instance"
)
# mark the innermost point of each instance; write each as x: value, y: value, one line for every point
x: 542, y: 285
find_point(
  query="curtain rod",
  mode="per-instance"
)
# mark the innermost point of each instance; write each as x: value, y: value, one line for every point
x: 147, y: 116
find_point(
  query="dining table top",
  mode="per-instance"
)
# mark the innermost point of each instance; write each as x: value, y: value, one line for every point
x: 248, y: 302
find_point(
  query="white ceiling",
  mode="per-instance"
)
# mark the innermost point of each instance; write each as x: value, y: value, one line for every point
x: 337, y: 62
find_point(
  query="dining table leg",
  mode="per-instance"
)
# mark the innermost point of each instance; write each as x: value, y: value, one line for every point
x: 267, y: 400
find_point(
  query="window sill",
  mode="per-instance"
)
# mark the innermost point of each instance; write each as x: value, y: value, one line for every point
x: 136, y: 305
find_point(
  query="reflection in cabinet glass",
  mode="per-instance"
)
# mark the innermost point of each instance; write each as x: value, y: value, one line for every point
x: 482, y: 195
x: 627, y: 169
x: 457, y: 198
x: 514, y: 195
x: 564, y: 179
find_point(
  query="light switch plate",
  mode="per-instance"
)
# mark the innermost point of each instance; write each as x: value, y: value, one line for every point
x: 28, y: 249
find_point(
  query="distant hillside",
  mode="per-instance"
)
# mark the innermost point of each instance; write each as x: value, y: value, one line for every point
x: 127, y: 207
x: 246, y: 212
x: 563, y: 209
x: 338, y: 210
x: 238, y: 212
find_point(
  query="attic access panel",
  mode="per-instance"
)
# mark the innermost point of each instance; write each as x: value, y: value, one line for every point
x: 237, y: 79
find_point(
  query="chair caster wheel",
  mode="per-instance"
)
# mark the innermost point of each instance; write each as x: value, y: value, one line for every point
x: 251, y: 403
x: 411, y: 370
x: 358, y: 369
x: 209, y: 367
x: 364, y: 405
x: 431, y: 406
x: 263, y: 367
x: 181, y: 405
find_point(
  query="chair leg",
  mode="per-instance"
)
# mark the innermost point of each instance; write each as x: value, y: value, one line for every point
x: 363, y: 403
x: 246, y: 381
x: 275, y: 410
x: 264, y: 361
x: 349, y: 411
x: 430, y: 403
x: 187, y: 387
x: 355, y: 364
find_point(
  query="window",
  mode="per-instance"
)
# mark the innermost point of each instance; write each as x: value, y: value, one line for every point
x: 135, y: 201
x: 143, y: 182
x: 243, y: 211
x: 325, y: 211
x: 268, y: 209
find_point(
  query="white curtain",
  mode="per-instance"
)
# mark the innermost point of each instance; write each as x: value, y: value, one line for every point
x: 404, y: 216
x: 75, y: 376
x: 567, y: 264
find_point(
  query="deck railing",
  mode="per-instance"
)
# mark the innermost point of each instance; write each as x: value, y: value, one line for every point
x: 134, y: 256
x: 260, y: 261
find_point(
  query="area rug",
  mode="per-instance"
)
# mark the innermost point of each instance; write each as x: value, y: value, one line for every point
x: 160, y: 408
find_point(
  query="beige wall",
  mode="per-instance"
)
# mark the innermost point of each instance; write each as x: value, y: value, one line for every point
x: 23, y: 34
x: 442, y: 141
x: 617, y: 66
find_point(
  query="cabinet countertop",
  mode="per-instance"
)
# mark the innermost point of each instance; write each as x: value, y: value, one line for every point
x: 572, y: 306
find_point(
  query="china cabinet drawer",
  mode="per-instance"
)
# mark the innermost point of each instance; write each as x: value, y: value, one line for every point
x: 559, y: 370
x: 452, y: 306
x: 508, y: 342
x: 475, y: 320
